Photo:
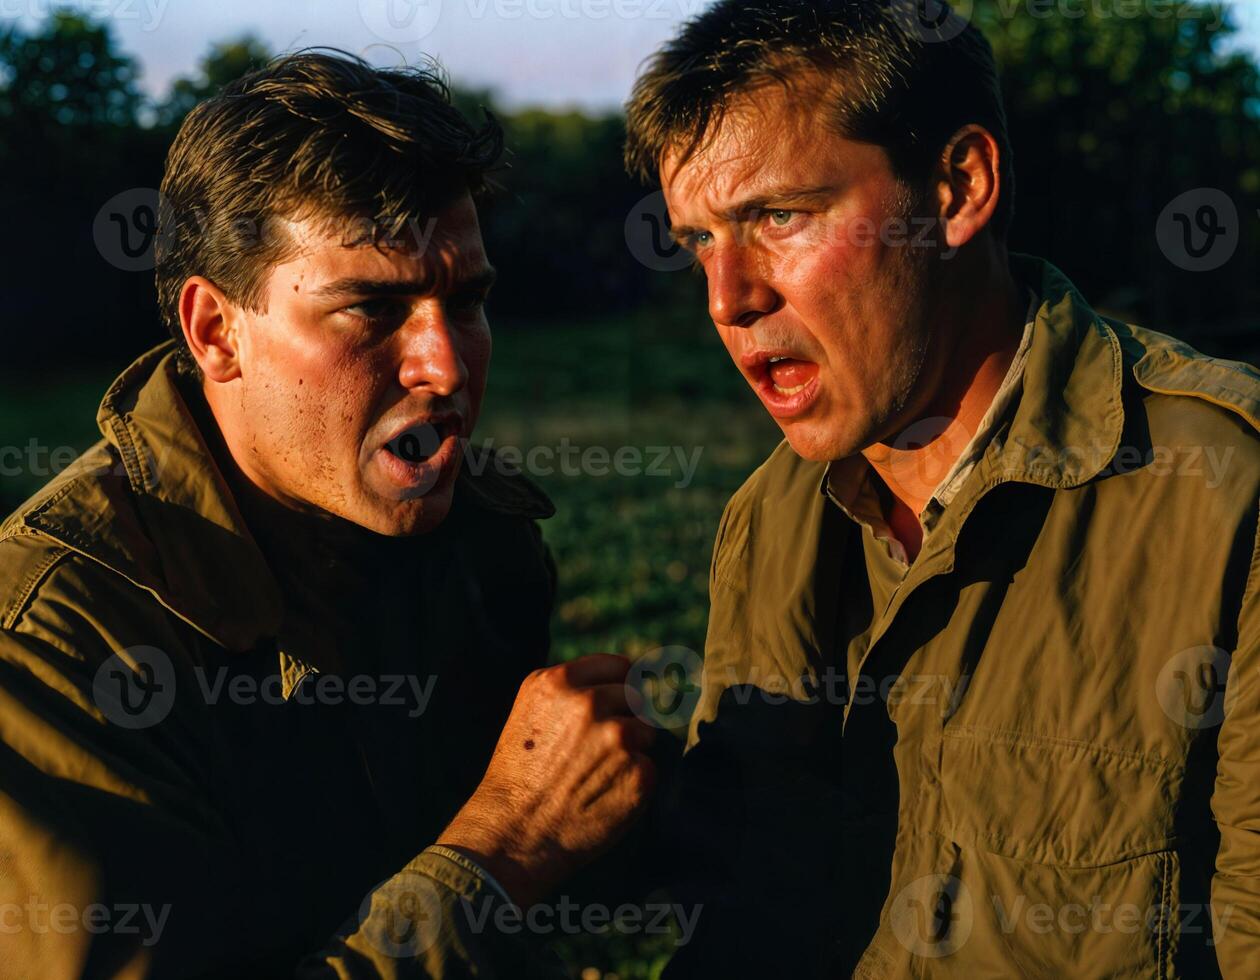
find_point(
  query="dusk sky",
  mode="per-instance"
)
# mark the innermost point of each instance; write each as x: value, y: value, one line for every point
x: 550, y: 52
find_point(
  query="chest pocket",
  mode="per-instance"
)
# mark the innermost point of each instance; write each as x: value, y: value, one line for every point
x: 1064, y: 861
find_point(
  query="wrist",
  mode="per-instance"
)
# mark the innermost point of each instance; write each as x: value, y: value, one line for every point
x: 521, y: 869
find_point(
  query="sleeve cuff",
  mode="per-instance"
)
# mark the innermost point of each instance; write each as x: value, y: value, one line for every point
x: 471, y: 866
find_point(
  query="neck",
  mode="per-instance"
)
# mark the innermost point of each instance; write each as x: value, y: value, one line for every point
x: 978, y: 329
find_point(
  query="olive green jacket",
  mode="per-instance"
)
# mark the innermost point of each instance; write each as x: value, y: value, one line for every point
x: 218, y: 737
x: 1041, y: 756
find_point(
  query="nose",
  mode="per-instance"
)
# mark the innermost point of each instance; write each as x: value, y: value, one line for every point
x: 431, y: 358
x: 739, y: 292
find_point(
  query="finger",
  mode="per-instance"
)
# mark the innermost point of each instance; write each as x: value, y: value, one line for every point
x: 636, y: 735
x: 611, y: 700
x: 596, y: 668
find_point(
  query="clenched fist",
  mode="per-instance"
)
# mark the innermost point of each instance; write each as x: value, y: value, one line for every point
x: 567, y: 778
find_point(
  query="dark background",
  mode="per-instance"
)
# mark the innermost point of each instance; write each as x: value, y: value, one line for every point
x: 1112, y: 118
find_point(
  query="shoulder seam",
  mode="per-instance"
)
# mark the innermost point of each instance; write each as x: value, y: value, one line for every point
x: 27, y: 588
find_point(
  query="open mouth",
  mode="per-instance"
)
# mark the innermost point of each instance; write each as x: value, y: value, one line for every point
x: 418, y: 457
x: 788, y: 375
x: 788, y: 385
x: 418, y: 443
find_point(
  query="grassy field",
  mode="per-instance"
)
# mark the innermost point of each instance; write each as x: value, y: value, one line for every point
x: 633, y: 550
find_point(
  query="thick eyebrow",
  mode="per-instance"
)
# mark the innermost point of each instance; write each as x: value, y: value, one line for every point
x: 773, y: 197
x: 477, y: 281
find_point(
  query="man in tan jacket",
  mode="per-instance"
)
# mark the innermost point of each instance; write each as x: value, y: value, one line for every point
x: 272, y: 685
x: 981, y: 690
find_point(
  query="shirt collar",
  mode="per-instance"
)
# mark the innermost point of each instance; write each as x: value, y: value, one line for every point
x: 1061, y: 395
x: 852, y: 479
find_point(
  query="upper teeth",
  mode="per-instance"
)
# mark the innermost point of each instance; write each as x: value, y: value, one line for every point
x: 776, y: 360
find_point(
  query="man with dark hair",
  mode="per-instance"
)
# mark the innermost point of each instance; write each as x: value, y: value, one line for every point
x: 272, y: 682
x: 980, y: 684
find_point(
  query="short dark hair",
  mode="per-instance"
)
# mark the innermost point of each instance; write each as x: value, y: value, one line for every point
x: 897, y: 83
x: 317, y: 134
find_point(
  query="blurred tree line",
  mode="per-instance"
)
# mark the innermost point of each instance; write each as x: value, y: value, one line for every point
x: 1111, y: 117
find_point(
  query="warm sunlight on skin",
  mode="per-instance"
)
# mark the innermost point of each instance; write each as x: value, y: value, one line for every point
x: 783, y: 216
x: 852, y: 324
x: 354, y: 392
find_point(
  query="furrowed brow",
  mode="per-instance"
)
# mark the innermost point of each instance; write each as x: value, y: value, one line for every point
x: 355, y: 286
x: 775, y: 197
x: 780, y: 197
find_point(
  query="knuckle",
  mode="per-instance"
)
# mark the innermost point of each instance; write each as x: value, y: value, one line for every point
x: 614, y: 736
x: 551, y: 679
x: 585, y: 706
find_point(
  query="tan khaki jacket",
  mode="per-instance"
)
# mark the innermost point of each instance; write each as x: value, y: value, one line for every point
x: 1041, y: 757
x: 211, y: 757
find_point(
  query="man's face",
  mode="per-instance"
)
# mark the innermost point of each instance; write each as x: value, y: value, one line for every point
x: 817, y: 292
x: 362, y: 381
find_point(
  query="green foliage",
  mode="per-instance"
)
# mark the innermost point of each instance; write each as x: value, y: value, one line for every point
x: 67, y: 73
x: 225, y: 62
x: 1114, y: 115
x: 633, y: 549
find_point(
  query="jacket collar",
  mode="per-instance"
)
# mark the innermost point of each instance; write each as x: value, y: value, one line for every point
x: 1067, y: 424
x: 165, y: 516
